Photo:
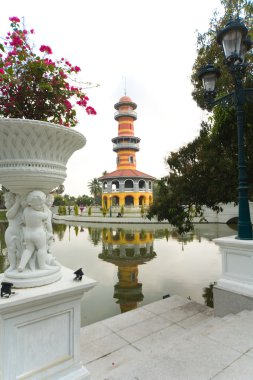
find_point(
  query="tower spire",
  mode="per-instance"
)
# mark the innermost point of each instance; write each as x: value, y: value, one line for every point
x: 125, y: 85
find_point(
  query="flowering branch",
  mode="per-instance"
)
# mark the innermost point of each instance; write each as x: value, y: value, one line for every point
x: 34, y: 86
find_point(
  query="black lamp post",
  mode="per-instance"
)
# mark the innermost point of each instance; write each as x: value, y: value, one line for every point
x: 235, y: 43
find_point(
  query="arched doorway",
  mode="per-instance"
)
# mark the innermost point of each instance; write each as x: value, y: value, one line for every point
x: 129, y: 200
x: 115, y: 201
x: 142, y: 200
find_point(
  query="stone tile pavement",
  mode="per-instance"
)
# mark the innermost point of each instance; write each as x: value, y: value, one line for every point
x: 170, y: 339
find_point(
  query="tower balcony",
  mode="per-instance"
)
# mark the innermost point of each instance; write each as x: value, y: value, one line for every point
x: 126, y: 145
x: 125, y: 113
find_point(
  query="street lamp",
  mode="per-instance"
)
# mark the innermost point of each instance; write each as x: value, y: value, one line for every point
x: 235, y: 43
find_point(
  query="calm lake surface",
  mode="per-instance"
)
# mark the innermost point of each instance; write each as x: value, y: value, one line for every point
x: 137, y: 264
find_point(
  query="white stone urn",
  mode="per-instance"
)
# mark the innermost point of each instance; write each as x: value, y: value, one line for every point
x: 33, y: 158
x: 34, y: 154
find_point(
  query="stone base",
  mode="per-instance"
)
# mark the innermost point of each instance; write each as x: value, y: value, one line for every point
x: 40, y: 331
x: 226, y: 302
x: 234, y: 290
x: 30, y: 279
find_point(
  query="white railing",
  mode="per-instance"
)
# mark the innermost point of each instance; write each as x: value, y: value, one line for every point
x: 125, y: 113
x: 126, y: 145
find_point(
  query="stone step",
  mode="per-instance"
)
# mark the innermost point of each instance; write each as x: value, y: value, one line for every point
x: 210, y: 324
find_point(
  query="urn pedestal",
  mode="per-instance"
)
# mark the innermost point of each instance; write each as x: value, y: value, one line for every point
x: 40, y: 331
x: 39, y: 325
x: 33, y: 158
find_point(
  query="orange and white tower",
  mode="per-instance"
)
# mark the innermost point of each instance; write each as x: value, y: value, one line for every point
x: 126, y: 186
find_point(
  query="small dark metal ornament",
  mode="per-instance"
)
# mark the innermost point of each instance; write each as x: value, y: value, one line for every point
x: 79, y: 274
x: 6, y: 289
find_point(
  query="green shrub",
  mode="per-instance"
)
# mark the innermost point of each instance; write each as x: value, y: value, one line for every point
x: 76, y: 210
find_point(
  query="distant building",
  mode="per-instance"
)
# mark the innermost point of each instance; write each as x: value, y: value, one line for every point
x: 126, y: 186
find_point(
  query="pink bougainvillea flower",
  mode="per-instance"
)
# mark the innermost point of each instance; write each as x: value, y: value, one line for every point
x: 46, y: 49
x: 62, y: 74
x: 14, y: 19
x: 67, y: 104
x: 82, y: 102
x: 16, y: 41
x: 48, y: 84
x: 90, y: 111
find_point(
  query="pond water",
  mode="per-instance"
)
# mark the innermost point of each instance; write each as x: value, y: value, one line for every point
x: 137, y: 264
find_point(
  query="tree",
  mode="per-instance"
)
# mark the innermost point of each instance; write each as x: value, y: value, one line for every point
x: 84, y: 200
x: 204, y: 172
x: 59, y: 200
x: 95, y: 189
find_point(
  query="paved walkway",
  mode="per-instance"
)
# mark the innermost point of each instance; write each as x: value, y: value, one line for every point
x: 170, y: 339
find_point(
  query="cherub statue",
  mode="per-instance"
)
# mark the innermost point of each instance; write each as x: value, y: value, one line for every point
x: 51, y: 260
x: 48, y: 222
x: 13, y: 233
x: 35, y: 236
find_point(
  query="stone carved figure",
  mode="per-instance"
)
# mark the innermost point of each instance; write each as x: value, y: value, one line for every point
x: 51, y: 260
x: 48, y: 222
x: 29, y: 237
x: 35, y: 236
x: 13, y: 233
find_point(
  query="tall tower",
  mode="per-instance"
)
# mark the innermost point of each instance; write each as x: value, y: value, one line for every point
x: 126, y: 186
x: 125, y: 144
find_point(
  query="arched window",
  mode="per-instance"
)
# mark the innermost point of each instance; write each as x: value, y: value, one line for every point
x: 131, y: 159
x: 105, y: 185
x: 129, y: 184
x: 115, y: 185
x: 142, y: 184
x: 149, y: 185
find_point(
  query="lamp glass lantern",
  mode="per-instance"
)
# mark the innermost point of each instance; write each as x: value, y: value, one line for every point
x: 209, y: 75
x: 231, y: 38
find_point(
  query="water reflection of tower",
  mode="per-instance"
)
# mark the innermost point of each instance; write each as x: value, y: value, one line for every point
x: 127, y: 250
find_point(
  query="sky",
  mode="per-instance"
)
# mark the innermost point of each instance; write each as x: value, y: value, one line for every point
x: 148, y: 45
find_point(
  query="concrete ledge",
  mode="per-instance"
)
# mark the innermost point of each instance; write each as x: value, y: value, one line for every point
x: 227, y: 302
x: 110, y: 220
